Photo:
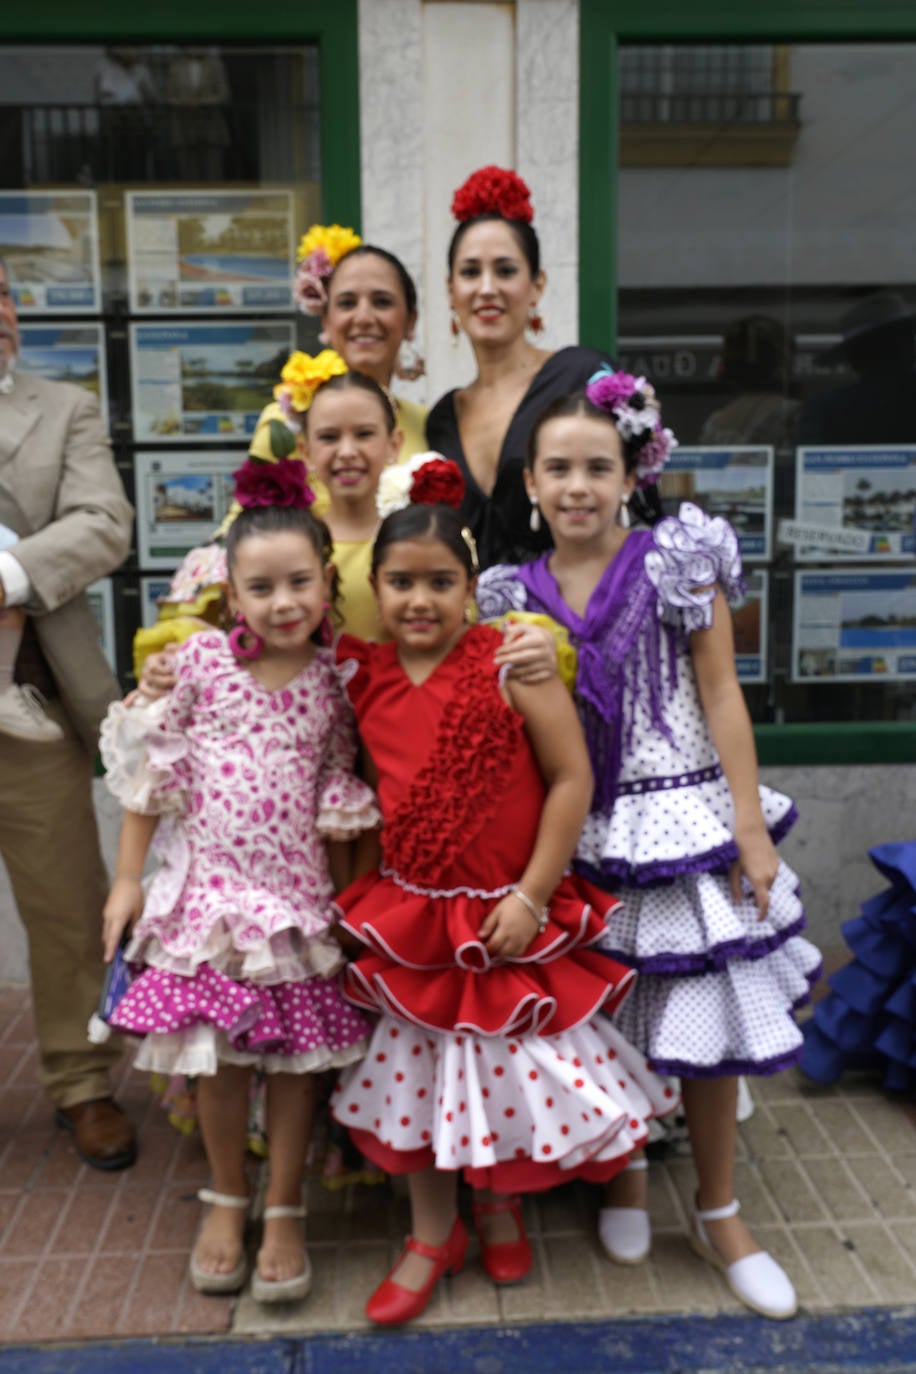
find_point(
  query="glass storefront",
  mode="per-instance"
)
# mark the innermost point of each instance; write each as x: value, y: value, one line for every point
x: 151, y: 201
x: 767, y: 286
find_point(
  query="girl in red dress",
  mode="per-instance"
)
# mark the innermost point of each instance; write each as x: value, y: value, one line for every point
x: 481, y: 952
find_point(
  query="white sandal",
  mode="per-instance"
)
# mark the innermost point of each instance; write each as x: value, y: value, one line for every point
x: 624, y: 1232
x: 293, y: 1289
x: 757, y: 1280
x: 209, y: 1280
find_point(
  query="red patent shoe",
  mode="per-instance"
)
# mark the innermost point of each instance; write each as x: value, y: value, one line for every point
x: 392, y: 1303
x: 506, y: 1261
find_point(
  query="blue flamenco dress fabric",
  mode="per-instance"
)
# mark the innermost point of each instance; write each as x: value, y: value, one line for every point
x: 868, y: 1019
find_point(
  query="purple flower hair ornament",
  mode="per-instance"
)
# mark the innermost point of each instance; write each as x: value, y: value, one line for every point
x: 635, y: 409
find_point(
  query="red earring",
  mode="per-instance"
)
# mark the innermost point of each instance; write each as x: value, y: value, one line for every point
x: 454, y: 326
x: 535, y: 321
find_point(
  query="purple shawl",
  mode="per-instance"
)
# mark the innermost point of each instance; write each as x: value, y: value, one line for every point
x: 619, y: 643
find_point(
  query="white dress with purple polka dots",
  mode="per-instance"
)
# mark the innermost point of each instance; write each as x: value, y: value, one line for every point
x: 717, y: 986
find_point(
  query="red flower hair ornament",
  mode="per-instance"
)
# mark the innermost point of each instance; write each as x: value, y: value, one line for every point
x: 272, y: 484
x: 493, y: 191
x: 426, y: 479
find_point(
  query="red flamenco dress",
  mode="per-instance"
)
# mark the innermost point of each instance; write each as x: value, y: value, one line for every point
x: 503, y: 1068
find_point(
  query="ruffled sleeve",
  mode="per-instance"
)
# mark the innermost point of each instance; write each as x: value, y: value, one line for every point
x: 353, y: 657
x: 499, y: 591
x: 346, y: 805
x: 145, y: 747
x: 693, y: 554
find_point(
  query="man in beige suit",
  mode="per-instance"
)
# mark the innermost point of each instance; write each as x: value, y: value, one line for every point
x: 61, y: 495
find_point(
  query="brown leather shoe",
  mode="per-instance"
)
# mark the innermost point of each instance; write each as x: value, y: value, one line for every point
x: 103, y: 1134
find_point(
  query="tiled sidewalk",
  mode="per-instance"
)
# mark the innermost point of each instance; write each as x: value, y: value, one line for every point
x: 827, y: 1179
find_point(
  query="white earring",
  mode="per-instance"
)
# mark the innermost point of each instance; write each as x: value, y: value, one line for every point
x: 623, y: 515
x: 534, y: 520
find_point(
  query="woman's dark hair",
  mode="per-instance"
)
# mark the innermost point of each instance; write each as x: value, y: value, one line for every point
x: 524, y: 234
x: 261, y: 520
x: 360, y: 381
x: 425, y: 522
x: 364, y: 250
x: 645, y: 503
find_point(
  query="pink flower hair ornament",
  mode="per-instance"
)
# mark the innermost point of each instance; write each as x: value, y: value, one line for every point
x: 282, y: 483
x: 633, y: 404
x: 319, y: 252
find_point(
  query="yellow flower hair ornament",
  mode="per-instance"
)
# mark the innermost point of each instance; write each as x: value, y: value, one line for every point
x: 301, y: 377
x: 319, y: 252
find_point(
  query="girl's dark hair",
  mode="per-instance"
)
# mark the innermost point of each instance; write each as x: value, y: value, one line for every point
x: 407, y: 282
x: 524, y: 233
x: 261, y: 520
x: 645, y: 503
x: 362, y: 382
x: 424, y: 522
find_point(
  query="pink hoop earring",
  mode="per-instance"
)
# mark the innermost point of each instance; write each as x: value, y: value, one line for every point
x: 326, y: 629
x: 243, y: 641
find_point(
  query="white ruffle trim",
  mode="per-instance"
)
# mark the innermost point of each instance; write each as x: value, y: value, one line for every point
x: 695, y: 914
x: 284, y: 958
x: 335, y: 824
x: 669, y: 825
x: 740, y: 1017
x: 202, y: 1049
x: 129, y: 776
x: 476, y: 1101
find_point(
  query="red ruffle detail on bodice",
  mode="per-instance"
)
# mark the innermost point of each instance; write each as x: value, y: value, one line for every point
x: 450, y: 788
x: 425, y: 961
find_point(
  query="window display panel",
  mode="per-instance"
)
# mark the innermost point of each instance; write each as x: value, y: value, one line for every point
x: 151, y: 202
x: 768, y: 290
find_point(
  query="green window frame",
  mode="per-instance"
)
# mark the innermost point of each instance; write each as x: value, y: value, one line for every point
x: 604, y: 24
x: 333, y: 27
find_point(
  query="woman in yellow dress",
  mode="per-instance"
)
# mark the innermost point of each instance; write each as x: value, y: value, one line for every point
x: 367, y: 303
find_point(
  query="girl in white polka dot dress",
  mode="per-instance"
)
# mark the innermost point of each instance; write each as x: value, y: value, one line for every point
x: 679, y: 827
x: 244, y: 773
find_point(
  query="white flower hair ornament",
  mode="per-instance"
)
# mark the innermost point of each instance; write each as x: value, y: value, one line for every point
x: 634, y: 406
x: 426, y: 479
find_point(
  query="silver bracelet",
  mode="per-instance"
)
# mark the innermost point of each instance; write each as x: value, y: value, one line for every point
x: 541, y: 916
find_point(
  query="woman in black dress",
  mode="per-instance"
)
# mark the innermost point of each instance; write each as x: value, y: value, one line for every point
x: 495, y: 282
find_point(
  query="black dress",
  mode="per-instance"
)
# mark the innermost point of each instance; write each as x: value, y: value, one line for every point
x: 500, y: 522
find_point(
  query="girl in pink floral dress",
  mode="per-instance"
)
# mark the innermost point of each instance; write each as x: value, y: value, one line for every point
x: 243, y: 775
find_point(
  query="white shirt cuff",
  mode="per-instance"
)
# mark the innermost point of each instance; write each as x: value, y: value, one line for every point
x: 17, y: 589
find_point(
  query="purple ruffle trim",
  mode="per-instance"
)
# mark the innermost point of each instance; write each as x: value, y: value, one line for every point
x: 713, y: 960
x: 717, y: 860
x: 640, y: 786
x: 727, y: 1068
x: 733, y: 1068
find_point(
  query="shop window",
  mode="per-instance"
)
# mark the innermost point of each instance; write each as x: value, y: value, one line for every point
x: 151, y: 200
x: 673, y: 97
x: 774, y: 308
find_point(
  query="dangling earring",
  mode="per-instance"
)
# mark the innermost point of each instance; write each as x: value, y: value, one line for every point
x: 326, y: 629
x: 623, y: 515
x: 243, y: 641
x: 454, y: 326
x: 534, y: 519
x: 535, y: 321
x: 410, y: 364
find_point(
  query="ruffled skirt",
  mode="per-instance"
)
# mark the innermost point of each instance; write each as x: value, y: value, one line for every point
x: 717, y: 987
x: 192, y: 1024
x: 868, y: 1020
x: 501, y: 1068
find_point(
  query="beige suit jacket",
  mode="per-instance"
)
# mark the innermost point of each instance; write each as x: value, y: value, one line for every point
x: 60, y: 491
